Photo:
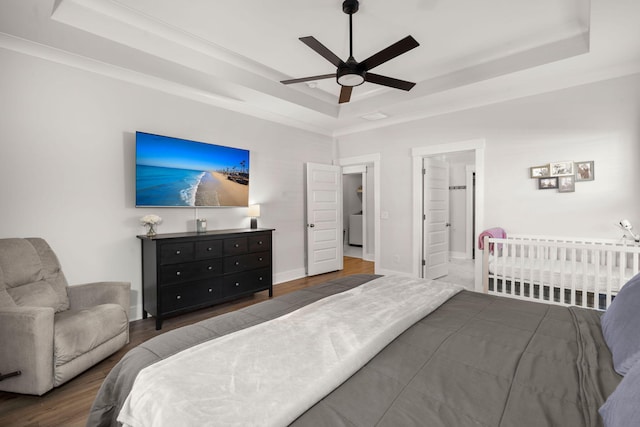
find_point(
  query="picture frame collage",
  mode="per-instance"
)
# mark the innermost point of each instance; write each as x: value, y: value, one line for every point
x: 562, y: 175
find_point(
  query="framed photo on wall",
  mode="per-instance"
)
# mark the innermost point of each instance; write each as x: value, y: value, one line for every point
x: 584, y: 171
x: 547, y: 183
x: 561, y: 168
x: 566, y: 184
x: 539, y: 171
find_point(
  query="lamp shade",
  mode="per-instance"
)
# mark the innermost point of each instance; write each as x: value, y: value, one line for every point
x: 254, y: 211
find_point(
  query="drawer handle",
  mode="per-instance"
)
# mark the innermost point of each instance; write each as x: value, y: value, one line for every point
x: 177, y: 273
x: 260, y: 242
x: 178, y: 297
x: 209, y: 249
x: 210, y: 290
x: 178, y: 252
x: 260, y: 259
x: 260, y: 278
x: 237, y: 284
x: 236, y: 245
x: 210, y: 268
x: 237, y: 263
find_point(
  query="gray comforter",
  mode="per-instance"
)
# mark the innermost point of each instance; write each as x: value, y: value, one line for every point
x: 478, y: 360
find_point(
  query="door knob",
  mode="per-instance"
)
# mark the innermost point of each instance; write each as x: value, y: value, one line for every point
x: 448, y: 224
x: 311, y: 225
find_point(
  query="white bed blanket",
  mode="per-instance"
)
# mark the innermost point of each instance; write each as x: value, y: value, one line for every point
x: 271, y: 373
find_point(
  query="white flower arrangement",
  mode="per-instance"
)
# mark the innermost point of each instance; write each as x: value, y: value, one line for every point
x: 150, y: 219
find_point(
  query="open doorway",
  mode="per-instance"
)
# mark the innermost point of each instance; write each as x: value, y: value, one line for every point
x: 461, y: 203
x: 448, y: 218
x: 354, y: 204
x: 362, y: 171
x: 466, y: 216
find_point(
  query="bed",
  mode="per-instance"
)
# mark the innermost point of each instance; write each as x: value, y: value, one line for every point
x: 566, y: 271
x: 477, y: 359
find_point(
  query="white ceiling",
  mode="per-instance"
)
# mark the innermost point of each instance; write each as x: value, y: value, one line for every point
x: 234, y: 53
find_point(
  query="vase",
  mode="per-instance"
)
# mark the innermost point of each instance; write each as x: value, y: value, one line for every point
x: 151, y: 230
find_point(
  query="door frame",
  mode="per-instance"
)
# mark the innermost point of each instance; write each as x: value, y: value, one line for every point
x: 417, y: 154
x: 374, y: 159
x: 469, y: 170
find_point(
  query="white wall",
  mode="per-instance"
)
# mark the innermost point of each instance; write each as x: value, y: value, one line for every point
x: 599, y: 122
x: 67, y: 168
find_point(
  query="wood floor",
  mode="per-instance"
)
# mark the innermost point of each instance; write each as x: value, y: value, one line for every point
x: 69, y: 404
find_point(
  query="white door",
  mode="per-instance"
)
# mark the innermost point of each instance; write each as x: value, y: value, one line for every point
x: 324, y: 218
x: 435, y: 218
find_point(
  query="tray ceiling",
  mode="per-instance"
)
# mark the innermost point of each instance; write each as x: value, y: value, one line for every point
x: 234, y: 53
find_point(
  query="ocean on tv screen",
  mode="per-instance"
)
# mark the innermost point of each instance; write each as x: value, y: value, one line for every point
x: 163, y: 186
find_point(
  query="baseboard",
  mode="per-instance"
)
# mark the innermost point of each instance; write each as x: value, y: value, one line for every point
x: 133, y: 313
x: 458, y: 255
x: 369, y: 257
x: 287, y: 276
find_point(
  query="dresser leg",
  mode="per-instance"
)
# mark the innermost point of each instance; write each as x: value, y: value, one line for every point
x: 270, y: 291
x: 158, y: 323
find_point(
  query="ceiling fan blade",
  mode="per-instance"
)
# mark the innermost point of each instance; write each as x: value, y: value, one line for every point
x: 322, y: 50
x: 308, y: 79
x: 345, y: 94
x: 396, y: 49
x: 389, y: 81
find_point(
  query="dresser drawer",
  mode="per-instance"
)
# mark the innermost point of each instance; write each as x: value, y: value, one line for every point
x: 208, y: 249
x: 172, y: 253
x: 191, y: 294
x: 249, y: 281
x: 177, y: 273
x: 235, y: 246
x: 234, y: 264
x: 259, y: 243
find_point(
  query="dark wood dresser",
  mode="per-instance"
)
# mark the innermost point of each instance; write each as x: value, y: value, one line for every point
x: 182, y: 272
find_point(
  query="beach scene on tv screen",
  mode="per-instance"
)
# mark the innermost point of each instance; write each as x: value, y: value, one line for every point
x: 178, y: 172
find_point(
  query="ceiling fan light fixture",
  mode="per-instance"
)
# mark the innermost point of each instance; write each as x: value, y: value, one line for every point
x: 350, y: 79
x: 351, y: 73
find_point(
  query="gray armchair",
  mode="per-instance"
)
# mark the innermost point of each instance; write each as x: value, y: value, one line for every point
x: 49, y: 331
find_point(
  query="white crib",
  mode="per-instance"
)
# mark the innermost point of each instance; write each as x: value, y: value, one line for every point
x: 566, y: 271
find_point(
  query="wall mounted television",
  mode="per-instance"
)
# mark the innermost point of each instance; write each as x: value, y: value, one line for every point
x: 178, y: 172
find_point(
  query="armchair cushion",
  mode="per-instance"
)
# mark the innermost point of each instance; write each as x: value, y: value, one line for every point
x: 30, y: 275
x: 96, y: 293
x: 79, y: 332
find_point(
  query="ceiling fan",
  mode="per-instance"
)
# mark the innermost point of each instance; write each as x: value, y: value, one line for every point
x: 352, y: 73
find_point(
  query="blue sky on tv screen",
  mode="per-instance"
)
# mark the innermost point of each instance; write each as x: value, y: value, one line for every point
x: 168, y: 152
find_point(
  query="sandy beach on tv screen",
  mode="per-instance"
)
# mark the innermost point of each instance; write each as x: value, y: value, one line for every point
x: 216, y: 190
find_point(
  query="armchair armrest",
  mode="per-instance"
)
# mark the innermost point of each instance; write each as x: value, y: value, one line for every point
x: 92, y: 294
x: 26, y: 334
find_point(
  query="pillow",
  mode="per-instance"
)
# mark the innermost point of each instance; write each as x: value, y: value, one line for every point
x: 621, y: 408
x: 620, y: 324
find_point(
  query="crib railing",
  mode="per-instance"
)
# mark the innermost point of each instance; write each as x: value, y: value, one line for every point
x: 580, y: 272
